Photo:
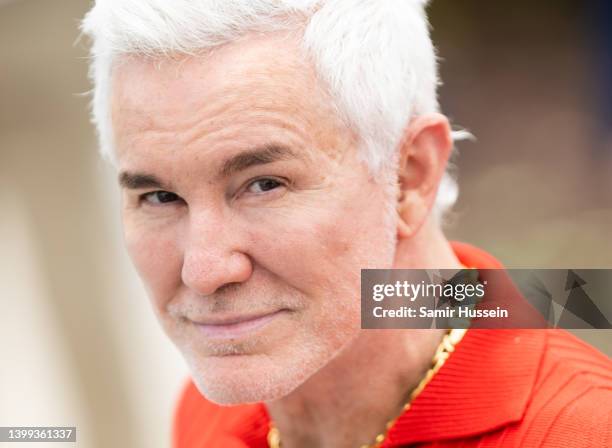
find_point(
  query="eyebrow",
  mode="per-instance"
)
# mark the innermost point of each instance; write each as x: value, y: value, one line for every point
x: 135, y: 181
x: 259, y: 156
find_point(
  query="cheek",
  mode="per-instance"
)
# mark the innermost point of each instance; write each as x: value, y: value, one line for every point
x: 321, y: 249
x: 353, y: 239
x: 354, y: 234
x: 157, y: 257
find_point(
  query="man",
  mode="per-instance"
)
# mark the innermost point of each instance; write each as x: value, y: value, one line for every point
x: 270, y: 150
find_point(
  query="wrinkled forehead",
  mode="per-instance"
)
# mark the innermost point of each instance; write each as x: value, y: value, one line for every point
x: 257, y: 74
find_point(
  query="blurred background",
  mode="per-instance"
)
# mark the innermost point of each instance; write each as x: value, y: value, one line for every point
x: 80, y: 347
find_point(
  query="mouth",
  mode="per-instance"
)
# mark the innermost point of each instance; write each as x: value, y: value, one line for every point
x: 232, y: 327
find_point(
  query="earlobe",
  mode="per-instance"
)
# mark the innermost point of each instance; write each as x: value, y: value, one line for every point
x: 412, y: 211
x: 403, y: 229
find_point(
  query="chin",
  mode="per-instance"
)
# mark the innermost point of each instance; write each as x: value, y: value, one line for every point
x: 234, y: 380
x: 264, y: 371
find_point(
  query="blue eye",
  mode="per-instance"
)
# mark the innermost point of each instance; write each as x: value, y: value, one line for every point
x: 263, y: 185
x: 160, y: 197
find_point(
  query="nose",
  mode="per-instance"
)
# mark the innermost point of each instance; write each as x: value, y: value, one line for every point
x: 214, y: 255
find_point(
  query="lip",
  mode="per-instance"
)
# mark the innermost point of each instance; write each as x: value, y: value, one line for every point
x: 232, y: 327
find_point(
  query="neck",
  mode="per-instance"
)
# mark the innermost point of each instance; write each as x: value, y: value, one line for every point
x: 349, y: 402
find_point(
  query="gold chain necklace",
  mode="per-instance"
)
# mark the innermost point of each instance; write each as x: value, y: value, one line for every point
x: 443, y: 351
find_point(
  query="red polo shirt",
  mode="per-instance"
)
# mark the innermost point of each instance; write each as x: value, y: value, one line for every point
x: 500, y: 388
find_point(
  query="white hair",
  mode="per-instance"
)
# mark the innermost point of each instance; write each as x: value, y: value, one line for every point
x: 375, y: 56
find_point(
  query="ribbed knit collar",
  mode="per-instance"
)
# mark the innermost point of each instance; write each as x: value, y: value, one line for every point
x: 485, y: 384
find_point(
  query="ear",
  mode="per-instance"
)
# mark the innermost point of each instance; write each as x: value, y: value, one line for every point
x: 423, y: 155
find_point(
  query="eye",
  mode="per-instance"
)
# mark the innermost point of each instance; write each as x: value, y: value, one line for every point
x: 159, y: 197
x: 263, y: 185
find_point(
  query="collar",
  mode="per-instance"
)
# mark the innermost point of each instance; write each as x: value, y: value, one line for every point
x: 484, y: 385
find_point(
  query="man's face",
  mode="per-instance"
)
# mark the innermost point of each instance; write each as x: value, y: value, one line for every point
x: 247, y: 213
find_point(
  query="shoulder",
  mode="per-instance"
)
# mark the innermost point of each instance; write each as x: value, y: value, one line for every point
x: 571, y: 402
x: 570, y: 367
x: 199, y: 422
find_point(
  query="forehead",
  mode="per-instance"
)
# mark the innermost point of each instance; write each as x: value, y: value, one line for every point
x: 257, y: 77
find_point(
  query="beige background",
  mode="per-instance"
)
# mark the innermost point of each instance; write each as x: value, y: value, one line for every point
x: 79, y: 343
